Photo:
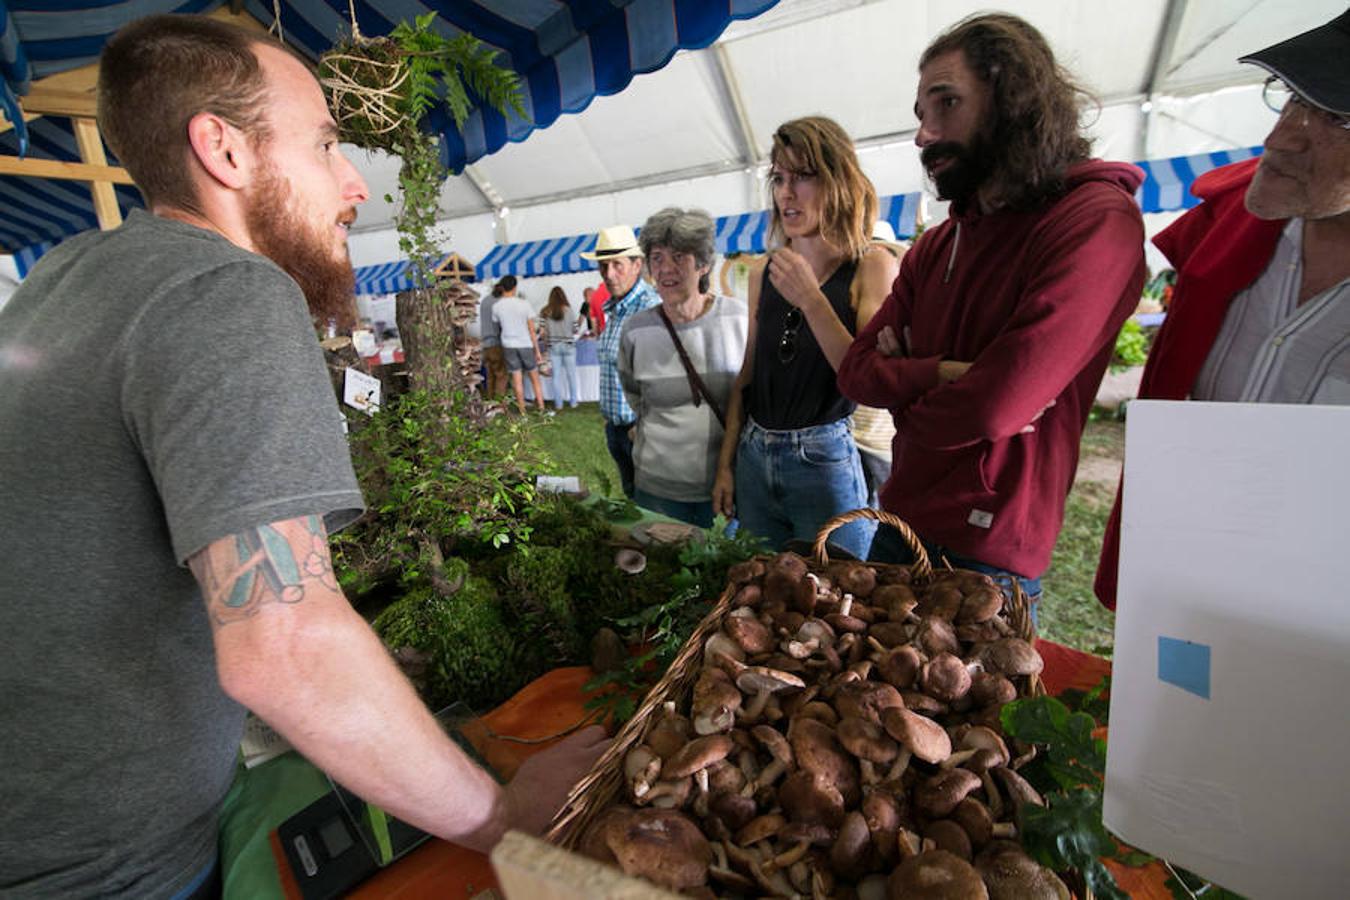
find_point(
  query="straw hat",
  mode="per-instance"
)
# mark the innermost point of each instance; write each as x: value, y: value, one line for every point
x: 616, y: 240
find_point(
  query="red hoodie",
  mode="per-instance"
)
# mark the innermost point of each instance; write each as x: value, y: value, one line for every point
x: 1034, y: 300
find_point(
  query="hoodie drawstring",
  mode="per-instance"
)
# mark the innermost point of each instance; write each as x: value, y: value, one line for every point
x: 951, y: 261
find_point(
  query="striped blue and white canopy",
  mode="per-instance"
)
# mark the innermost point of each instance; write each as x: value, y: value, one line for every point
x: 1168, y: 185
x: 743, y: 233
x: 387, y: 278
x: 566, y: 52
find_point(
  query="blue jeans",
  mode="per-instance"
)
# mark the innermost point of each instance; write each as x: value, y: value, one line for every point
x: 889, y: 547
x: 789, y: 483
x: 695, y: 512
x: 621, y: 448
x: 564, y: 358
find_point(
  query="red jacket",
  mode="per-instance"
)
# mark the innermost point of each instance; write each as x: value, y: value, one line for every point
x: 1034, y: 300
x: 1218, y: 250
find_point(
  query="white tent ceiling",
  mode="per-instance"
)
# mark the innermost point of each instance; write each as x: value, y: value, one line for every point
x: 697, y: 131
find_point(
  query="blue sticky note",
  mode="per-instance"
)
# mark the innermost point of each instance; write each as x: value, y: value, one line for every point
x: 1184, y: 664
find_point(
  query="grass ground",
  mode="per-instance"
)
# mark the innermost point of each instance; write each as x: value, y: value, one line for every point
x: 1070, y: 614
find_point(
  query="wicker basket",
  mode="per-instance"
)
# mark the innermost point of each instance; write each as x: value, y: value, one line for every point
x: 601, y: 787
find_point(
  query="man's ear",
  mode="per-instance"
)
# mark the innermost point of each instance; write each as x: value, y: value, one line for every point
x: 223, y: 150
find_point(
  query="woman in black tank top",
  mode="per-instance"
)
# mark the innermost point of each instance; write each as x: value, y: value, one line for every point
x: 788, y: 462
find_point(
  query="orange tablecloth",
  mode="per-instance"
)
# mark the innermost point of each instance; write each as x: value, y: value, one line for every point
x: 439, y: 870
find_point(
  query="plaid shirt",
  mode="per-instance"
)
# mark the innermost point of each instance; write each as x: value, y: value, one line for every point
x: 613, y: 405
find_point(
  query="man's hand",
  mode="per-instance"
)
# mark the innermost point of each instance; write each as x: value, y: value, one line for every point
x: 543, y: 781
x: 724, y: 493
x: 794, y: 278
x: 949, y: 370
x: 888, y: 344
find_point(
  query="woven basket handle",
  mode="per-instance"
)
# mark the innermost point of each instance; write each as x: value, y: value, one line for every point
x: 922, y: 568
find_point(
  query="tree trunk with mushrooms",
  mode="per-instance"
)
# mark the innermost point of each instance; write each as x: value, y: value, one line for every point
x: 440, y: 357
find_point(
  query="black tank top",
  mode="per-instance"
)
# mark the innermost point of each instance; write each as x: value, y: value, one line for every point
x: 801, y: 392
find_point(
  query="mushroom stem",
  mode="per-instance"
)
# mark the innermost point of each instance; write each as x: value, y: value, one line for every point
x: 992, y: 794
x: 752, y: 712
x: 720, y: 852
x: 1005, y: 830
x: 900, y: 765
x: 957, y: 759
x: 846, y: 605
x: 768, y: 775
x: 787, y: 857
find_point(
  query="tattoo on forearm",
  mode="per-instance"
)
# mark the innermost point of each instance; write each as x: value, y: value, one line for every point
x: 274, y: 563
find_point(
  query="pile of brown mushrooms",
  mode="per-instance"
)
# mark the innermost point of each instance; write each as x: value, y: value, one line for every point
x: 842, y: 739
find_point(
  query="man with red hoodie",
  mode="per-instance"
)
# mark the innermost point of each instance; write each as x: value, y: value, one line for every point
x: 1261, y: 311
x: 990, y: 348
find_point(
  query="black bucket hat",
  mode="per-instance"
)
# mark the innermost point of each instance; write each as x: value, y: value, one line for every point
x: 1315, y: 64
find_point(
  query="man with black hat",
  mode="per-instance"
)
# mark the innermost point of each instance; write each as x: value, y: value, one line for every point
x: 620, y: 262
x: 1261, y: 310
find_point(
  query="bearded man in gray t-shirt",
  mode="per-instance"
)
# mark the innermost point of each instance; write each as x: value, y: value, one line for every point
x: 173, y: 461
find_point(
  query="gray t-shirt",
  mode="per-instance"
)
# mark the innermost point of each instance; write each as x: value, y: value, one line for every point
x: 161, y: 389
x: 513, y: 315
x: 675, y: 454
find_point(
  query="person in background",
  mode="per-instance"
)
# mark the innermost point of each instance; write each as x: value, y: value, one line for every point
x: 788, y: 463
x: 1261, y: 307
x: 677, y: 362
x: 490, y: 338
x: 165, y: 535
x: 620, y: 261
x: 520, y: 343
x: 992, y: 344
x: 585, y: 324
x: 599, y: 296
x: 872, y: 428
x: 560, y: 329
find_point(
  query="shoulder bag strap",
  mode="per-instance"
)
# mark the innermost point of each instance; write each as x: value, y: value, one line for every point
x: 696, y: 385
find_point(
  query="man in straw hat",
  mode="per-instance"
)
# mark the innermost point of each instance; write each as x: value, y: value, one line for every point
x: 620, y: 262
x: 1261, y: 309
x: 173, y: 462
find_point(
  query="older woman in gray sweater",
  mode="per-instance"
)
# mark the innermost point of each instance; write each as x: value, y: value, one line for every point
x: 676, y: 363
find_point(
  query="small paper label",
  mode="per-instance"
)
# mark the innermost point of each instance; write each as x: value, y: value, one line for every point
x: 1184, y: 664
x: 980, y: 518
x: 361, y: 391
x: 260, y: 743
x: 364, y: 341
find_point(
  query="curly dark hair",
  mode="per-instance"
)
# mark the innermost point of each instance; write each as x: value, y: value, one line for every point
x: 1035, y: 130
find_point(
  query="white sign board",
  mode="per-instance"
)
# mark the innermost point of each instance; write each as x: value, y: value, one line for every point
x: 361, y: 391
x: 1229, y: 746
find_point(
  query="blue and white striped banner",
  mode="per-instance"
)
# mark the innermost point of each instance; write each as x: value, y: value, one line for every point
x: 387, y: 278
x: 1168, y: 183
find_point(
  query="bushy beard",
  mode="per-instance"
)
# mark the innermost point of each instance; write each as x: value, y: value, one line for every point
x: 970, y: 167
x: 281, y: 234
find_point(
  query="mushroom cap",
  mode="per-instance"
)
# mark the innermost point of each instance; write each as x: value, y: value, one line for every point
x: 990, y: 688
x: 663, y: 846
x: 856, y: 578
x: 746, y: 571
x: 630, y: 560
x: 594, y: 840
x: 754, y: 679
x: 949, y: 836
x: 925, y: 738
x: 1009, y: 874
x: 975, y: 818
x: 899, y: 600
x: 936, y: 636
x: 698, y: 754
x: 866, y: 740
x: 714, y: 703
x: 788, y: 563
x: 936, y: 875
x: 901, y: 666
x: 938, y: 796
x: 919, y: 702
x: 668, y: 734
x: 724, y: 775
x: 749, y: 633
x: 816, y: 751
x: 1013, y: 656
x: 734, y: 810
x: 889, y: 634
x: 978, y: 737
x: 943, y: 601
x: 775, y: 743
x: 810, y: 800
x: 867, y: 700
x: 1018, y: 788
x: 946, y: 678
x: 852, y: 850
x: 759, y: 828
x: 981, y: 604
